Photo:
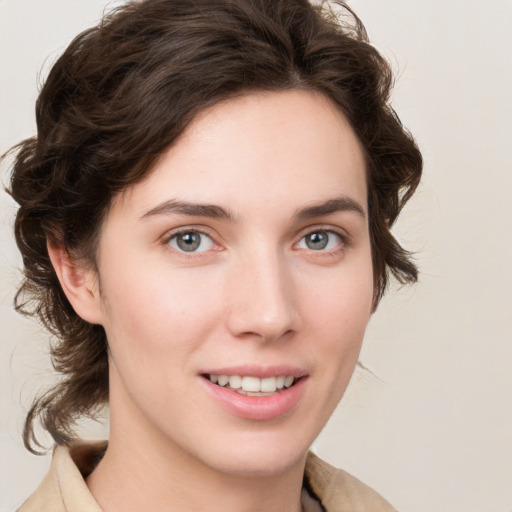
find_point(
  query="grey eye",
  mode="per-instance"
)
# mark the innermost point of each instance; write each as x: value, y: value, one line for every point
x: 191, y: 241
x: 320, y: 240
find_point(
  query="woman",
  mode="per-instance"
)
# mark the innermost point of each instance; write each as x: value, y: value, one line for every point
x: 205, y: 221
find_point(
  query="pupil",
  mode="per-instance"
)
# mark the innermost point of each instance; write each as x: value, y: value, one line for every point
x: 316, y: 241
x: 189, y: 241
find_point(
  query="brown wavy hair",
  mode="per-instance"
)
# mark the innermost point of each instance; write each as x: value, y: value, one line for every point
x: 124, y: 91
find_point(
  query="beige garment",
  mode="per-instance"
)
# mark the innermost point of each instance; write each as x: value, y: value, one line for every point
x: 341, y: 492
x: 64, y: 489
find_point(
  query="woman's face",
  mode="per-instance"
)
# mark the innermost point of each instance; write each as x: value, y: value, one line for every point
x: 244, y: 254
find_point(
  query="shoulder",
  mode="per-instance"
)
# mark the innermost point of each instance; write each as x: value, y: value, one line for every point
x: 63, y: 489
x: 339, y: 491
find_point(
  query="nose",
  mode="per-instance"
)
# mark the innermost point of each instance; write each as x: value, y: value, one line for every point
x: 262, y: 299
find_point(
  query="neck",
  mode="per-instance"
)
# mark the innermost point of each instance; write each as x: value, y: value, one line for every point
x: 139, y: 473
x: 144, y: 480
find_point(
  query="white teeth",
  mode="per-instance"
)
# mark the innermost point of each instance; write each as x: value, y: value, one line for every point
x: 235, y: 381
x: 268, y: 385
x: 222, y: 380
x: 249, y: 385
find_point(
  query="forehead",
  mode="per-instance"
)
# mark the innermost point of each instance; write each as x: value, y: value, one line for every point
x: 278, y: 149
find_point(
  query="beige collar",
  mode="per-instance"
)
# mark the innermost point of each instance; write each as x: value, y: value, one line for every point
x: 341, y: 492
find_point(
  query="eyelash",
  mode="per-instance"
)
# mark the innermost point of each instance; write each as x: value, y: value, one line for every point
x: 186, y: 231
x: 342, y: 245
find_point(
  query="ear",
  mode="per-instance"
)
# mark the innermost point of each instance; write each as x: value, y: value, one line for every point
x: 78, y: 281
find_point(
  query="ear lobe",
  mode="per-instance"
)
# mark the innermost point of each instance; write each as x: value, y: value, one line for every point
x: 78, y: 281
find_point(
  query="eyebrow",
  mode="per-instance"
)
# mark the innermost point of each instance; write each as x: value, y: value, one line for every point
x: 193, y: 209
x: 339, y: 204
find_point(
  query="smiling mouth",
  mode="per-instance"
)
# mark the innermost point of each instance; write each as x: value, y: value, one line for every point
x: 253, y: 386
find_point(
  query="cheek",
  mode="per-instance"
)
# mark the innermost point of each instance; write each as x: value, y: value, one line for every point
x: 150, y: 315
x: 342, y: 295
x: 336, y: 312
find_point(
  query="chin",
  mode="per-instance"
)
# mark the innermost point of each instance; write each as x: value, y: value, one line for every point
x: 258, y: 457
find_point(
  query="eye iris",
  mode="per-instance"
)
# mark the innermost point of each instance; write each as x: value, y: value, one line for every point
x: 317, y: 241
x: 188, y: 242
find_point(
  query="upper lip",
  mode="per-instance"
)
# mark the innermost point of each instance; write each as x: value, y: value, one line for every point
x: 257, y: 371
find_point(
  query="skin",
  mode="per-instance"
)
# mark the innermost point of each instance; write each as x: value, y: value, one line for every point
x: 255, y: 293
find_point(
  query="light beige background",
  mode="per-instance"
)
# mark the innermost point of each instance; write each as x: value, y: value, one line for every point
x: 434, y: 431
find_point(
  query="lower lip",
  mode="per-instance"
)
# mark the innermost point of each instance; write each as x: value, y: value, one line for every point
x: 257, y: 407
